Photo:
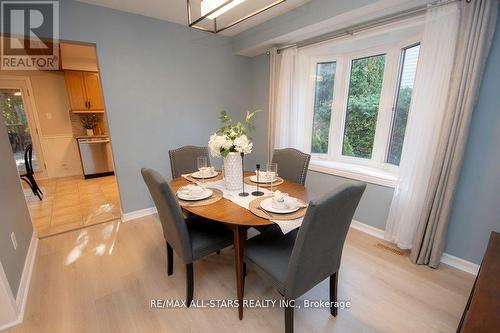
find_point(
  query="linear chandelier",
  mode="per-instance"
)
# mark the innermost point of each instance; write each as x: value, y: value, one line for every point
x: 211, y: 9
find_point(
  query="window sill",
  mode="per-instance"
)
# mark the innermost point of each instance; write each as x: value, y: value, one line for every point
x: 358, y: 172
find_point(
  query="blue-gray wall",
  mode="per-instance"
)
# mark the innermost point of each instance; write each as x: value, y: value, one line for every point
x: 14, y: 215
x: 476, y: 210
x: 164, y: 85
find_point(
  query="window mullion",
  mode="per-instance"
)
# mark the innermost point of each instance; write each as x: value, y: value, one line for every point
x: 338, y: 114
x: 384, y: 116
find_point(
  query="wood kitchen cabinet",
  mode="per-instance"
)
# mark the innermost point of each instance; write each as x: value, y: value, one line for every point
x: 84, y: 91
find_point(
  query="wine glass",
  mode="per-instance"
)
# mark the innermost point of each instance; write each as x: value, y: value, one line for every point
x: 271, y: 172
x: 202, y: 165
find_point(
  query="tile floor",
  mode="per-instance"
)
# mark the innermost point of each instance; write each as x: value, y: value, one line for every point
x: 73, y: 202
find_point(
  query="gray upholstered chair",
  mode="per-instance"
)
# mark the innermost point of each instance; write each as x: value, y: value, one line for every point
x: 299, y: 260
x: 183, y: 160
x: 191, y: 239
x: 292, y: 164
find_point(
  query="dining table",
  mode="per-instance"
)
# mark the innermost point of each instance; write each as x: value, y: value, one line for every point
x: 239, y: 220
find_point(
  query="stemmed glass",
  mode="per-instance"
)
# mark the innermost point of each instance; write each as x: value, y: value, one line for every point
x: 271, y: 172
x: 202, y: 165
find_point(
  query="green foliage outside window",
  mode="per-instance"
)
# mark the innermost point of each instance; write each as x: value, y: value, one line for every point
x: 362, y: 106
x: 323, y: 99
x: 399, y: 126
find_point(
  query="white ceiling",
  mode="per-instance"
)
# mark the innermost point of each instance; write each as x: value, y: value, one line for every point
x: 176, y: 10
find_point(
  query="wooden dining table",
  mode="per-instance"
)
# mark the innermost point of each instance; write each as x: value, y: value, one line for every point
x: 239, y: 220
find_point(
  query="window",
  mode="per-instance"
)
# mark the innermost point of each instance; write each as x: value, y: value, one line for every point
x: 362, y: 105
x: 357, y: 105
x: 323, y: 100
x: 403, y: 100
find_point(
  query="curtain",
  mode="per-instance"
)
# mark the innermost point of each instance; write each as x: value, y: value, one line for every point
x: 476, y: 33
x: 427, y: 110
x: 274, y: 73
x: 287, y: 117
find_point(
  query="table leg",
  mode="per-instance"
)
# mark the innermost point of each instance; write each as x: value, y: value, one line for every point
x: 240, y: 234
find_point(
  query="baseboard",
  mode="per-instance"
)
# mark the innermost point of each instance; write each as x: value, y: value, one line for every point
x: 460, y: 263
x: 24, y: 285
x: 126, y: 217
x: 367, y: 229
x: 446, y: 258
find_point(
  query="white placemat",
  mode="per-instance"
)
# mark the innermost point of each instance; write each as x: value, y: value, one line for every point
x: 285, y: 226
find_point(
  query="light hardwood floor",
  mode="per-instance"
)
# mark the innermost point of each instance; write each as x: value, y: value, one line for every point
x: 72, y: 202
x: 102, y: 278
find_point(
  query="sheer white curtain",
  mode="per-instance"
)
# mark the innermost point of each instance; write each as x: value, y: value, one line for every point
x: 429, y: 101
x: 287, y: 118
x: 274, y: 70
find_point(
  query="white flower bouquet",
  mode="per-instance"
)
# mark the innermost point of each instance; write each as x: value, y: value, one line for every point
x: 232, y: 136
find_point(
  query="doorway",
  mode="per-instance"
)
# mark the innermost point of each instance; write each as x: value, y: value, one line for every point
x: 43, y: 108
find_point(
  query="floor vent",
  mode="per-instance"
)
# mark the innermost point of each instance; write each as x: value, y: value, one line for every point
x: 391, y: 249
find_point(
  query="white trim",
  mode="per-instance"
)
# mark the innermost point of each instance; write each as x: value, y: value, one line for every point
x: 126, y: 217
x: 447, y: 259
x: 460, y: 263
x: 8, y: 305
x: 19, y: 304
x: 24, y: 285
x: 357, y: 172
x: 367, y: 229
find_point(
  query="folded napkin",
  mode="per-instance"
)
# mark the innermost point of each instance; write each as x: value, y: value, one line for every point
x: 191, y: 190
x: 265, y: 176
x: 284, y: 201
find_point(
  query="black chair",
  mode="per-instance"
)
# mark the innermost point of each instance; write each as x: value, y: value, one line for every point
x: 28, y: 176
x: 183, y: 160
x: 292, y: 164
x: 192, y: 238
x: 299, y: 260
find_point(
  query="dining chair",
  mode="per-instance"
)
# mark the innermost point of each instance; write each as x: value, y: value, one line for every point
x: 299, y: 260
x: 292, y: 164
x: 192, y: 238
x: 183, y: 160
x: 29, y: 175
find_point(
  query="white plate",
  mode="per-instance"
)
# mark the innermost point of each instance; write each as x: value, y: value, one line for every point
x: 198, y: 176
x: 207, y: 193
x: 267, y: 204
x: 262, y: 181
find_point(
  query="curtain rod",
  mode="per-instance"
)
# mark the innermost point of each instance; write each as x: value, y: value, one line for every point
x: 365, y: 26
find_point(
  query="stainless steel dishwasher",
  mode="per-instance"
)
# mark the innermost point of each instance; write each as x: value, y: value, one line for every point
x: 97, y: 160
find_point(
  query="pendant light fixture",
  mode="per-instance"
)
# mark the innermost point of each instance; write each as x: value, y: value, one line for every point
x: 211, y: 9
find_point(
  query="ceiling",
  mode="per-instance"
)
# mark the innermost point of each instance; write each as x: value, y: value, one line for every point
x: 176, y: 11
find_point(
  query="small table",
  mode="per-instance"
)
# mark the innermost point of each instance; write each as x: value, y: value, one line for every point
x: 239, y: 220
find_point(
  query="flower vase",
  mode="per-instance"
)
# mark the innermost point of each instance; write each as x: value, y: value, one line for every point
x: 90, y: 132
x: 233, y: 171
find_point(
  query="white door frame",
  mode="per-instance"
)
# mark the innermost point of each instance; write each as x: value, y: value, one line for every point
x: 24, y: 84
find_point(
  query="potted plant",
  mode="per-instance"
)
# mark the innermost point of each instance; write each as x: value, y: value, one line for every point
x: 229, y: 142
x: 89, y: 122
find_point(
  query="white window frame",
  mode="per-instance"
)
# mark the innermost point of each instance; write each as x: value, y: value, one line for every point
x: 375, y: 170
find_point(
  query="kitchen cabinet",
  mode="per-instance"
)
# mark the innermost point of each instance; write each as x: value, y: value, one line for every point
x: 84, y: 91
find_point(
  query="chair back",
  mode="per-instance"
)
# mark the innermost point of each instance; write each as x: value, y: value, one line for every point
x: 174, y: 226
x: 28, y: 159
x: 292, y: 164
x: 318, y: 247
x: 184, y: 160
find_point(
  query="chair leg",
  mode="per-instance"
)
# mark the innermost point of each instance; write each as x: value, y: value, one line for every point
x: 333, y: 293
x: 170, y: 260
x: 189, y: 284
x: 288, y: 318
